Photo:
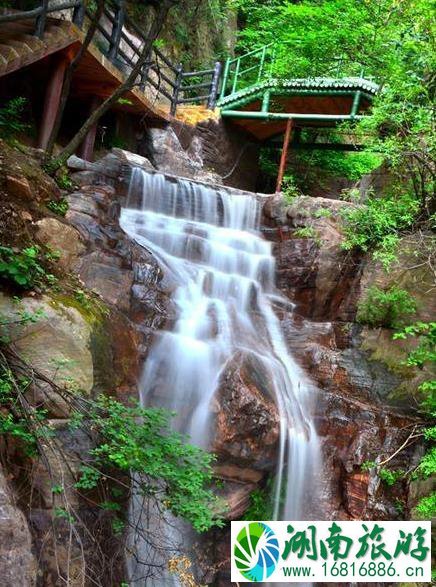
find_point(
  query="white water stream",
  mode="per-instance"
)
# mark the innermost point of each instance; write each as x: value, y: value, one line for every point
x: 208, y: 240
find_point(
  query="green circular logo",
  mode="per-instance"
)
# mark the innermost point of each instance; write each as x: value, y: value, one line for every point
x: 256, y: 551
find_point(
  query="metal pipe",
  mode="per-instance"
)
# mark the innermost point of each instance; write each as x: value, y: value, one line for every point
x: 225, y: 77
x: 235, y: 79
x: 283, y: 116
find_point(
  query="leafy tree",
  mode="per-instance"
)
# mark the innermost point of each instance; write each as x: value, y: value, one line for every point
x: 393, y: 41
x: 389, y: 308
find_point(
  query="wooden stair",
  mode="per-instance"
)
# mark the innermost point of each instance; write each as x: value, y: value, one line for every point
x: 19, y: 47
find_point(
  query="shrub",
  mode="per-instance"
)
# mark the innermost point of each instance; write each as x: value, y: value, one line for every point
x: 11, y: 118
x: 23, y: 267
x: 390, y: 308
x: 375, y: 226
x: 59, y: 207
x: 426, y: 508
x: 305, y: 232
x: 389, y: 476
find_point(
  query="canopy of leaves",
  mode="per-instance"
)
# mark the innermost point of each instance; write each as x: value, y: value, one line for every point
x: 390, y: 40
x: 140, y: 440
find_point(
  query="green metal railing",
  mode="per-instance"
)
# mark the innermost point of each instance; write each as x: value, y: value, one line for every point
x: 261, y: 64
x: 247, y: 69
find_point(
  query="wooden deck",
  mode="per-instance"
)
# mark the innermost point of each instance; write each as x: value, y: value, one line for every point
x: 96, y: 76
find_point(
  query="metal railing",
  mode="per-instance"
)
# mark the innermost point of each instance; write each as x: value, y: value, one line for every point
x: 260, y: 65
x: 122, y: 42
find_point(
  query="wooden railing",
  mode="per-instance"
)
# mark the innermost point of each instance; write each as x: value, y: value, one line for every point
x: 122, y: 43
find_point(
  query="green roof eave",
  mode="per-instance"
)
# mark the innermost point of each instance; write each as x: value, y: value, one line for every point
x: 307, y: 86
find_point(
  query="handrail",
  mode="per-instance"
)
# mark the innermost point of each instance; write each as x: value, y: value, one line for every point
x: 35, y: 12
x: 258, y: 65
x: 124, y: 52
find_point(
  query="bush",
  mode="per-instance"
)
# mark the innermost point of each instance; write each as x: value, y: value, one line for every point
x: 390, y: 308
x: 11, y: 118
x: 375, y: 226
x: 59, y: 207
x: 426, y: 508
x: 23, y: 267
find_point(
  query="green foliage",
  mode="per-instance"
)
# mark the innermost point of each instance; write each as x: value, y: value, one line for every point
x: 425, y: 352
x: 423, y: 356
x: 305, y: 232
x: 59, y: 207
x: 389, y: 308
x: 63, y: 514
x: 395, y: 42
x: 139, y: 440
x: 27, y: 429
x: 64, y: 181
x: 89, y: 477
x: 260, y: 507
x: 368, y: 465
x: 323, y: 213
x: 23, y: 267
x: 426, y: 508
x: 375, y: 225
x: 389, y: 476
x: 427, y: 466
x: 11, y: 118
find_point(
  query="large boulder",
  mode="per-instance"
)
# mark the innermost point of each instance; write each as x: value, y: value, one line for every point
x: 61, y: 237
x: 247, y: 423
x: 17, y: 563
x: 56, y: 344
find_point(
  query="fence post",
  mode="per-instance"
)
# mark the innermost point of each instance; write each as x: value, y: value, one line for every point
x: 79, y: 14
x: 225, y: 78
x: 178, y: 82
x: 211, y: 103
x: 40, y: 21
x: 235, y: 79
x: 117, y: 29
x: 262, y: 61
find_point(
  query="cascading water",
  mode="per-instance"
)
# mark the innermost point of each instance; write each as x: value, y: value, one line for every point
x: 208, y: 238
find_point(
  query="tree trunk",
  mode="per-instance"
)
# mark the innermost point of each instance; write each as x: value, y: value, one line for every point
x: 127, y: 85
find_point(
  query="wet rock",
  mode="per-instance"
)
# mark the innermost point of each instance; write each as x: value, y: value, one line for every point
x: 56, y: 345
x: 62, y: 238
x: 168, y: 155
x: 247, y: 427
x: 103, y: 273
x: 17, y: 563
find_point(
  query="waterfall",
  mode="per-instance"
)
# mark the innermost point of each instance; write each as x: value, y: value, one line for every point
x: 208, y: 240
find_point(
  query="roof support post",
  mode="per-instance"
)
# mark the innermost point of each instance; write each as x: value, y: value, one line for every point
x: 87, y: 146
x: 284, y: 156
x: 355, y: 106
x: 52, y: 99
x: 265, y: 101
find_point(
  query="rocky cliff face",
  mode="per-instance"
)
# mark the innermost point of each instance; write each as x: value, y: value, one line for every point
x: 102, y: 347
x: 364, y: 397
